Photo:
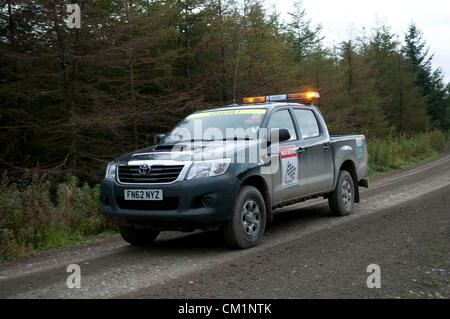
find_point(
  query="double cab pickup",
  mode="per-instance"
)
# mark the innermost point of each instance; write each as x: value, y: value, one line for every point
x: 229, y: 168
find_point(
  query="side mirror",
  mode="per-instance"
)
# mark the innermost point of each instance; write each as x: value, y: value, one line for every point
x: 282, y: 133
x: 159, y: 138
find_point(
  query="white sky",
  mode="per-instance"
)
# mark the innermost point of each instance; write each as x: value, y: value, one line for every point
x: 342, y: 18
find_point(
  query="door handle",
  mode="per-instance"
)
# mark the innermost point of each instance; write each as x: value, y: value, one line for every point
x: 326, y: 146
x: 301, y: 151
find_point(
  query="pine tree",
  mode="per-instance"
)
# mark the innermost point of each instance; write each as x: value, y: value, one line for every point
x: 394, y: 83
x: 302, y: 36
x: 430, y: 82
x: 359, y: 95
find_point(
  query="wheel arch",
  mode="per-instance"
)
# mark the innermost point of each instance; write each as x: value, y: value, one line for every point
x: 350, y: 167
x: 260, y: 184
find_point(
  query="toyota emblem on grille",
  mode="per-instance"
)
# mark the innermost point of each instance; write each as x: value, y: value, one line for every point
x: 145, y: 169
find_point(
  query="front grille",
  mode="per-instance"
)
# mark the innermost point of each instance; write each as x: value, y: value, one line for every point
x: 158, y: 174
x: 168, y: 203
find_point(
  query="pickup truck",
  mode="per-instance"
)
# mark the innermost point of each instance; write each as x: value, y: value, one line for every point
x: 229, y: 168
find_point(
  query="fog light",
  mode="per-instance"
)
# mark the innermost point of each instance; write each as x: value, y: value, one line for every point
x: 209, y: 201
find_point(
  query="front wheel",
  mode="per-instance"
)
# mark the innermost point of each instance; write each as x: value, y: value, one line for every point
x: 138, y: 236
x: 246, y: 228
x: 341, y: 200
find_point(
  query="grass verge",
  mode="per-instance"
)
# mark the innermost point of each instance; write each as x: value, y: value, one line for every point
x: 403, y: 151
x: 36, y: 215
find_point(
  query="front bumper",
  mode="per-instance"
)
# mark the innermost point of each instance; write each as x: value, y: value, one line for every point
x: 187, y: 204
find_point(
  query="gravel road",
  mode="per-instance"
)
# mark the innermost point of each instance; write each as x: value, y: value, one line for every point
x: 402, y: 225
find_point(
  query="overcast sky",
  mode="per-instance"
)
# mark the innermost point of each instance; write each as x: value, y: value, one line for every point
x: 342, y: 18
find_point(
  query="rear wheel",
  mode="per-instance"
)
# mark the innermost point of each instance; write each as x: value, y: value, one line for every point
x: 138, y: 236
x: 246, y: 228
x: 341, y: 200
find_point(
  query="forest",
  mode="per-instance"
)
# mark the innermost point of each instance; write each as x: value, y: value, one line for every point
x: 73, y: 99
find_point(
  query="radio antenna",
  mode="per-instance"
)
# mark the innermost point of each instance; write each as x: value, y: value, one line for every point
x: 235, y: 71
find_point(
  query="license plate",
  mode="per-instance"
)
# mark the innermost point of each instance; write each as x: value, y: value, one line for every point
x: 143, y: 194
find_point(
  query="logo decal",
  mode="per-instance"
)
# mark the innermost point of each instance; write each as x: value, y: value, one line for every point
x: 289, y: 165
x: 145, y: 169
x: 291, y: 172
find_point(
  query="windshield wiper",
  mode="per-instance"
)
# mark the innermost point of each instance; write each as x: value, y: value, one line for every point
x: 186, y: 141
x: 208, y: 140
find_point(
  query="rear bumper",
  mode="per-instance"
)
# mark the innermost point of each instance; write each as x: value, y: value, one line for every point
x: 187, y: 204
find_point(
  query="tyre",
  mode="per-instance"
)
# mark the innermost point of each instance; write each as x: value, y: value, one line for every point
x: 137, y: 236
x: 341, y: 200
x: 246, y: 227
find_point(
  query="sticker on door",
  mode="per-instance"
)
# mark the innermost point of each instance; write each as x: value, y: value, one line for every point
x: 289, y: 166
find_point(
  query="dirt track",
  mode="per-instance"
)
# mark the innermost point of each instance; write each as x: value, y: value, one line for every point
x: 402, y: 224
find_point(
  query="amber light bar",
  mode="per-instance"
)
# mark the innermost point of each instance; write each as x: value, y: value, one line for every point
x: 257, y: 99
x: 307, y: 96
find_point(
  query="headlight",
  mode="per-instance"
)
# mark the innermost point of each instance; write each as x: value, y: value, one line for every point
x: 110, y: 171
x: 208, y: 168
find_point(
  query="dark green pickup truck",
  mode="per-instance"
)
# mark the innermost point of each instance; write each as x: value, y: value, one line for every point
x: 229, y: 168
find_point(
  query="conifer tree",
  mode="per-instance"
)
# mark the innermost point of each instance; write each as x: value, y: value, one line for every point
x: 430, y: 82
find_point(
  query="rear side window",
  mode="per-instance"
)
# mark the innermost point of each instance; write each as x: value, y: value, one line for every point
x: 282, y: 119
x: 308, y: 123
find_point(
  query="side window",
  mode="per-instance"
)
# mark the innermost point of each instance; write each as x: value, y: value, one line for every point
x: 282, y: 119
x: 308, y: 123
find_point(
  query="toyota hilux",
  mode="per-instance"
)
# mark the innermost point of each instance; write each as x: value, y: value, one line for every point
x: 229, y: 168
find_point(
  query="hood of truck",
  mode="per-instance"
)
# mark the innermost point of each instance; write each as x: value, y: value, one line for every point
x: 195, y: 151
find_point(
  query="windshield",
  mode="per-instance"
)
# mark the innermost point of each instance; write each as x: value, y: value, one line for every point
x: 217, y: 125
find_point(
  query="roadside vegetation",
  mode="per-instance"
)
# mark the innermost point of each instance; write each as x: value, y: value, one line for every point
x: 402, y: 151
x: 36, y: 214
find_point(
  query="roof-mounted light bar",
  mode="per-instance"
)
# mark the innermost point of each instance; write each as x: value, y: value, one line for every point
x: 257, y: 99
x: 306, y: 97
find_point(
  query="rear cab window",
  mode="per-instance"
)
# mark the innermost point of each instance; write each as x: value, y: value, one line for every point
x: 307, y: 123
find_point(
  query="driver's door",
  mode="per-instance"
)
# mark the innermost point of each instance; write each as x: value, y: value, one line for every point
x: 285, y: 175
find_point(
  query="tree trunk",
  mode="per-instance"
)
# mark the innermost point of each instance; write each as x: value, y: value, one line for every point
x: 12, y: 34
x: 68, y: 96
x: 131, y: 72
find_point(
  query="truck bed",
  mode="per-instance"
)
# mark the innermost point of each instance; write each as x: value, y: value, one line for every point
x: 342, y: 145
